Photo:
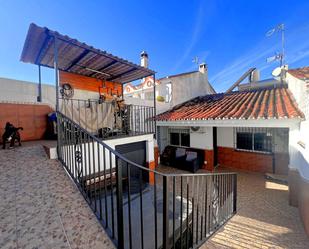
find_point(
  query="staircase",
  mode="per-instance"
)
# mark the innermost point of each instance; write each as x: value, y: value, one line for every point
x: 168, y: 211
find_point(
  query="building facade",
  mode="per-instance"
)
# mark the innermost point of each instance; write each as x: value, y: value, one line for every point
x: 170, y: 90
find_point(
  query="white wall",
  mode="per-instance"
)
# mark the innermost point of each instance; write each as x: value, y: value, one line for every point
x: 300, y: 93
x: 93, y: 156
x: 181, y: 88
x: 225, y: 137
x: 188, y: 86
x: 202, y: 139
x: 27, y: 92
x: 299, y: 156
x: 163, y: 138
x: 161, y: 106
x: 24, y: 91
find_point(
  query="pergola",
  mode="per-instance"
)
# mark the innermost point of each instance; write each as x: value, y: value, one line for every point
x: 48, y: 48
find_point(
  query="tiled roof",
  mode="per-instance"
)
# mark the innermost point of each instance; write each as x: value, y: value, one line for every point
x: 262, y: 103
x: 301, y: 73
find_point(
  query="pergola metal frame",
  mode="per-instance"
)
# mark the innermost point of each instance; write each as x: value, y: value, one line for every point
x: 55, y: 38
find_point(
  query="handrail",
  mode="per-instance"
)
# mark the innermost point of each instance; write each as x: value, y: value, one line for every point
x: 97, y: 100
x: 110, y: 120
x: 116, y: 153
x: 199, y: 203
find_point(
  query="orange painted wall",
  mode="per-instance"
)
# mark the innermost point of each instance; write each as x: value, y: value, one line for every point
x: 89, y: 84
x: 151, y: 165
x: 249, y: 161
x: 33, y: 118
x: 209, y: 157
x: 156, y: 155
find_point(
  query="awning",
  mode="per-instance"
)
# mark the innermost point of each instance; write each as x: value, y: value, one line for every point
x: 77, y: 57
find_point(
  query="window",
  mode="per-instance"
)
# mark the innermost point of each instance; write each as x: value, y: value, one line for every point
x: 254, y: 139
x: 185, y: 139
x: 262, y: 142
x: 179, y: 137
x: 244, y: 140
x: 174, y: 137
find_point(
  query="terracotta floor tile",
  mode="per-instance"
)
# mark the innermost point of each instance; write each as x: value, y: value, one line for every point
x: 39, y: 204
x: 264, y: 218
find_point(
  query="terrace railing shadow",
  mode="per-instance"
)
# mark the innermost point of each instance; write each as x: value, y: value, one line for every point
x: 140, y: 207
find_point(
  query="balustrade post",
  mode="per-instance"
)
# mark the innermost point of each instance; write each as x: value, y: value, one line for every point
x: 120, y: 225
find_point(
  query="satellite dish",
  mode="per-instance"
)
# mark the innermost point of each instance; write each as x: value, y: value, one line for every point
x: 276, y: 72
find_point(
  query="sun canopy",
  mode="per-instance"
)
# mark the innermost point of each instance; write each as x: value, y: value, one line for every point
x: 77, y: 57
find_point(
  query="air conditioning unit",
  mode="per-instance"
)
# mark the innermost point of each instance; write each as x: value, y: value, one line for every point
x: 195, y: 128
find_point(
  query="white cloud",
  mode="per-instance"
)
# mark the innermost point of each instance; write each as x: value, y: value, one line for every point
x: 199, y: 25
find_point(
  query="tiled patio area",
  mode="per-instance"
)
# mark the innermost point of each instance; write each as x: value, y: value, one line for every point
x: 264, y: 218
x: 40, y: 206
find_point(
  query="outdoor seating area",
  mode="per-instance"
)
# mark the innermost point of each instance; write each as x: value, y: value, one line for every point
x: 183, y: 158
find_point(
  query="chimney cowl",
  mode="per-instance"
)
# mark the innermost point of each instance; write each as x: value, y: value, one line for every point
x: 144, y: 54
x: 144, y: 59
x: 202, y: 67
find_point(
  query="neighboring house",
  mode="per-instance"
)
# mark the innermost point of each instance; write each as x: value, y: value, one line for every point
x: 249, y: 129
x: 262, y: 127
x: 170, y: 90
x: 298, y: 81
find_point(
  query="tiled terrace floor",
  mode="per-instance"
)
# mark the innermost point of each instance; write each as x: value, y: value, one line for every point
x: 264, y: 218
x: 40, y: 206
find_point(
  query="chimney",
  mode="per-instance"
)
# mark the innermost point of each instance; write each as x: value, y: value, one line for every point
x: 144, y: 59
x: 203, y: 68
x: 254, y: 76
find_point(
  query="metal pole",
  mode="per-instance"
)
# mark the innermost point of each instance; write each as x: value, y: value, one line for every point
x: 56, y: 72
x: 120, y: 225
x: 235, y: 193
x: 122, y: 92
x: 57, y: 88
x: 39, y: 99
x: 282, y: 43
x: 155, y: 106
x: 165, y: 214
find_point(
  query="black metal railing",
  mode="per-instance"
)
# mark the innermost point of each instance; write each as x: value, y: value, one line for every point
x: 140, y: 207
x: 109, y: 120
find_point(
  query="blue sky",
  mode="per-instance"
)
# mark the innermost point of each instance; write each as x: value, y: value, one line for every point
x: 228, y: 35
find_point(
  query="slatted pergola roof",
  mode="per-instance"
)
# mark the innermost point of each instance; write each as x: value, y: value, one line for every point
x: 77, y: 57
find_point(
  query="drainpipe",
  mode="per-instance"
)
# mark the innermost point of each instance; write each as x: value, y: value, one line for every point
x: 155, y: 105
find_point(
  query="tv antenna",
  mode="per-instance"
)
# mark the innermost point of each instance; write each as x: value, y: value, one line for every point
x: 278, y: 56
x: 195, y: 60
